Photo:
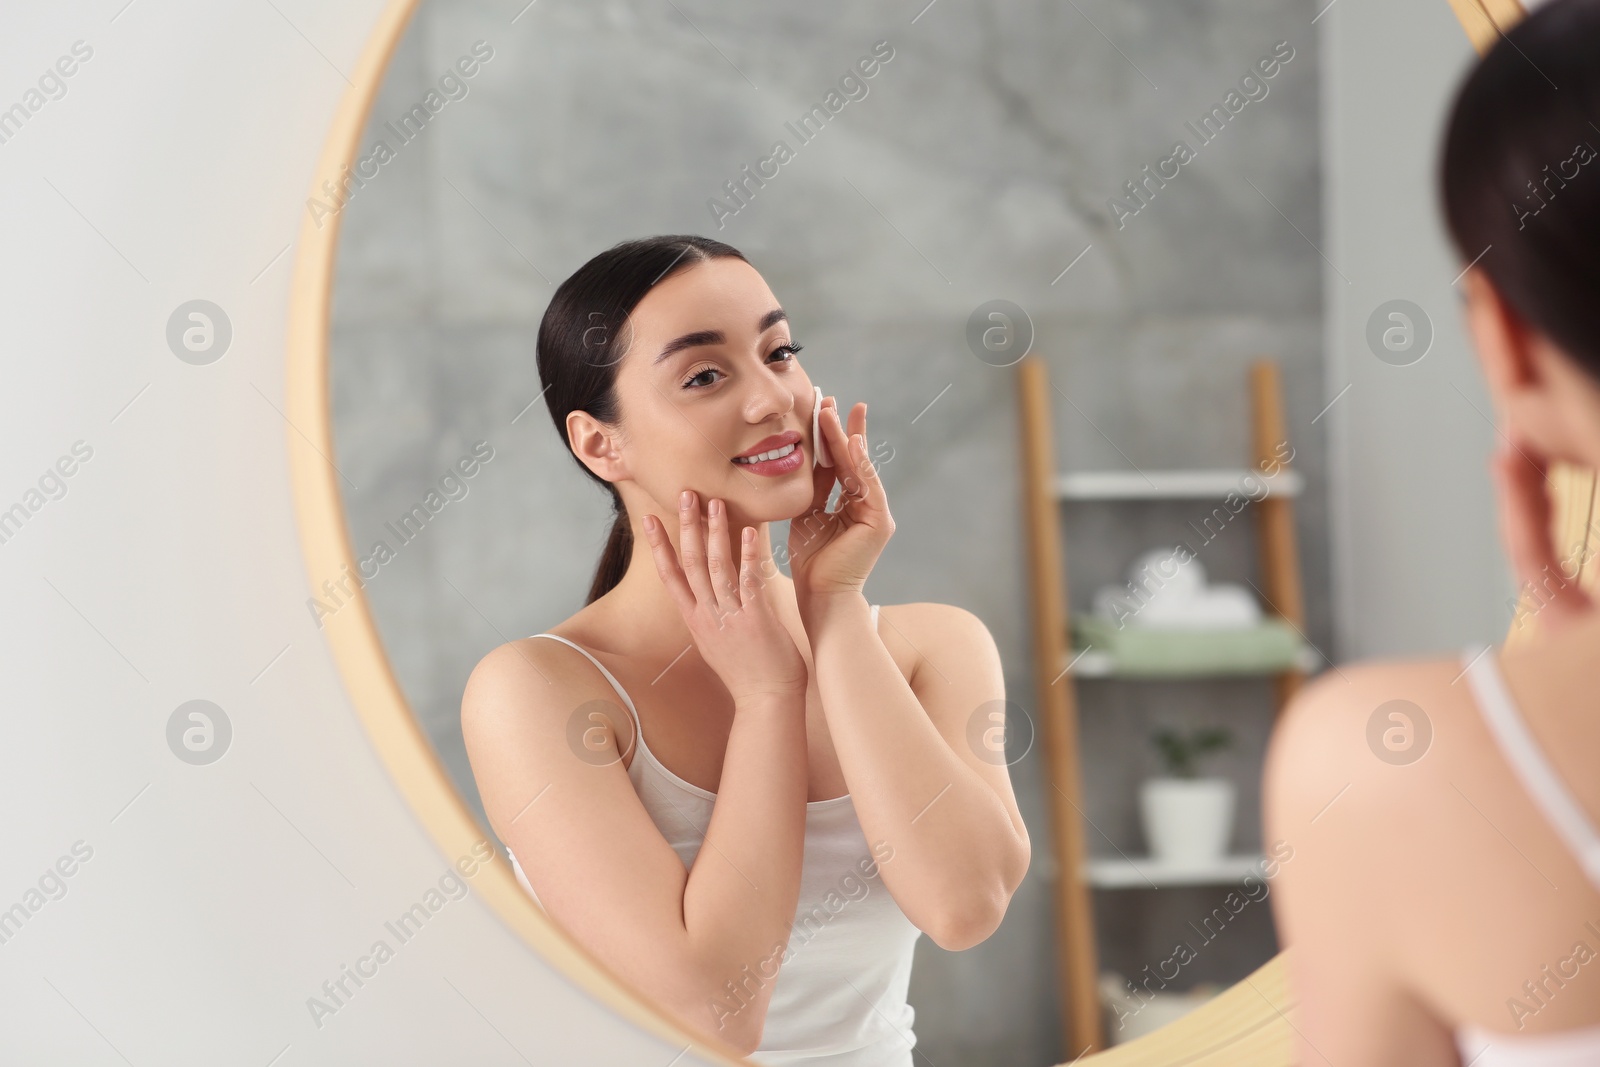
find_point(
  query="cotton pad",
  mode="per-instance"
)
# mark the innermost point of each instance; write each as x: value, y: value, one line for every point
x: 819, y: 446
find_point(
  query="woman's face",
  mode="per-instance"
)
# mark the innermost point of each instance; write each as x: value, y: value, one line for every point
x: 710, y: 376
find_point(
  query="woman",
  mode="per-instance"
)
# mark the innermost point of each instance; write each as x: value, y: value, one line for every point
x: 791, y: 796
x: 1443, y: 900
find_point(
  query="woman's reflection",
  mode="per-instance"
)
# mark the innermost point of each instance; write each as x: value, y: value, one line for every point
x: 808, y: 796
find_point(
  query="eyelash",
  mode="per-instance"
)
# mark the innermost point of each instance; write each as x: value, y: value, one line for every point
x: 791, y: 348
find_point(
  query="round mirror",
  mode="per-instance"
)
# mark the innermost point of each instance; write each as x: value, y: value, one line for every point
x: 1113, y: 294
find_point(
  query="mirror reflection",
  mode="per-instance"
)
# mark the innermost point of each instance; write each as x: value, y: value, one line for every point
x: 844, y: 276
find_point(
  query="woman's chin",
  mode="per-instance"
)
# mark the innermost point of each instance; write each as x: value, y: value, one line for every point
x: 778, y: 504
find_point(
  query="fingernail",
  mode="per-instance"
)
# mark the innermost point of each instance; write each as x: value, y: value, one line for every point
x: 716, y: 507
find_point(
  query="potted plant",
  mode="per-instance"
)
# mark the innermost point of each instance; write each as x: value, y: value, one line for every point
x: 1188, y: 819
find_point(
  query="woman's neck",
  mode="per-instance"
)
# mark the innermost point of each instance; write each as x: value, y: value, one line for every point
x: 640, y: 611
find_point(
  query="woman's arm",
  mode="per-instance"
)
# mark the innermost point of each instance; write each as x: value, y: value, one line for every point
x: 541, y: 738
x: 919, y: 782
x: 919, y: 756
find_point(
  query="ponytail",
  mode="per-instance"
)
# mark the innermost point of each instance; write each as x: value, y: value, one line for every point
x: 615, y: 556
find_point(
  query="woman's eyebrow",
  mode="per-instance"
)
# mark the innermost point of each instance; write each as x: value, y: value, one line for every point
x: 715, y: 337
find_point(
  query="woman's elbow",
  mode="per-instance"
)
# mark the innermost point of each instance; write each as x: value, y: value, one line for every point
x: 974, y: 924
x: 1022, y: 858
x: 710, y: 1015
x: 960, y: 934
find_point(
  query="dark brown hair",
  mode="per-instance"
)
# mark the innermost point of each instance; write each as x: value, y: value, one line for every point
x: 1520, y: 176
x: 582, y: 338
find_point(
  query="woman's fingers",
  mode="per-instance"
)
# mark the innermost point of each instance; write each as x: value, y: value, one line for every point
x: 1525, y: 524
x: 1526, y: 513
x: 862, y: 484
x: 720, y: 562
x: 692, y: 549
x: 749, y: 577
x: 667, y: 565
x: 839, y: 445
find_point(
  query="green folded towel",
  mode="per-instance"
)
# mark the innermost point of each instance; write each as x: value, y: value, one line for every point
x: 1270, y: 646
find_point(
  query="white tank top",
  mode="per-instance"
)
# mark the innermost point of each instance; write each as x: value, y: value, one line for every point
x: 840, y: 993
x: 1562, y: 1048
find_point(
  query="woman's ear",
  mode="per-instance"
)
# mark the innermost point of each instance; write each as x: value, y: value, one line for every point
x: 1504, y: 342
x: 595, y: 446
x: 1540, y: 396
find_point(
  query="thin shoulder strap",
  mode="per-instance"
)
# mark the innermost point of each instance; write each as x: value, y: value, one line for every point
x: 874, y: 617
x: 623, y: 693
x: 1529, y: 761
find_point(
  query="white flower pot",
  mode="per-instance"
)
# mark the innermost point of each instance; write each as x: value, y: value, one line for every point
x: 1187, y: 821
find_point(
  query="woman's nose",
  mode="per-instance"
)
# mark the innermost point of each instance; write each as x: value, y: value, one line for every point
x: 772, y: 397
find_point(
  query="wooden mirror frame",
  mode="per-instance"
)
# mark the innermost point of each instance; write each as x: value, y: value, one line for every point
x: 1247, y: 1025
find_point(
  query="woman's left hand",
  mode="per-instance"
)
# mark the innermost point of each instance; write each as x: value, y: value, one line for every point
x: 832, y: 552
x: 1549, y: 585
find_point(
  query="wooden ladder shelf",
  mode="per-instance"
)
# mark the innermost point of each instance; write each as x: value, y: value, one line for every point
x: 1044, y: 490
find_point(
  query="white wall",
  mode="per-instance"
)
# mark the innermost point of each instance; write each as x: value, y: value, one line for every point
x: 215, y: 899
x: 1418, y: 567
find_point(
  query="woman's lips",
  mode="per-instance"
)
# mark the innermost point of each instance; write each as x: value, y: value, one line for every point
x: 773, y: 468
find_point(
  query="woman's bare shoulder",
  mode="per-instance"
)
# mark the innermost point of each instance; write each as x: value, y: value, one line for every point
x: 931, y: 619
x: 525, y: 703
x: 926, y: 631
x: 529, y: 671
x: 1350, y: 722
x: 1342, y: 690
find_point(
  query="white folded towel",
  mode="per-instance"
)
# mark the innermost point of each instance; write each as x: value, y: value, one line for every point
x: 1167, y: 590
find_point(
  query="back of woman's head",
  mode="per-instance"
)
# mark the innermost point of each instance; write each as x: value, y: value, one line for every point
x: 583, y: 337
x: 1520, y: 173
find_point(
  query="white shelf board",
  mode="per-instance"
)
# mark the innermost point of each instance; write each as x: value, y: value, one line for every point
x: 1144, y: 872
x: 1095, y: 663
x: 1175, y: 484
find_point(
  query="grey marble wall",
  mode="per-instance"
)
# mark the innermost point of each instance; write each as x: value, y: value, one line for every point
x: 980, y: 163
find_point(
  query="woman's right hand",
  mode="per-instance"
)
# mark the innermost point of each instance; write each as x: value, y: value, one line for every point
x: 723, y: 600
x: 1521, y: 476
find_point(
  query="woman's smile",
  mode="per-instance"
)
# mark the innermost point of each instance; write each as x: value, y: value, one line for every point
x: 777, y: 460
x: 786, y: 459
